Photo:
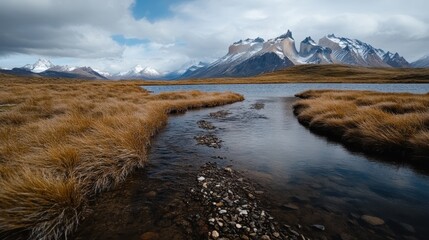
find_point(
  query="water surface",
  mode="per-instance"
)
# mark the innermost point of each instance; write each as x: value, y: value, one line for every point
x: 331, y: 185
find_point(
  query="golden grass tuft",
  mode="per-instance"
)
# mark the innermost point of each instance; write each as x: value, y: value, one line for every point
x: 384, y: 123
x: 62, y: 142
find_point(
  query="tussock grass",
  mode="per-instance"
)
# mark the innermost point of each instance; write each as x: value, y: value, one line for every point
x: 62, y: 142
x: 383, y: 123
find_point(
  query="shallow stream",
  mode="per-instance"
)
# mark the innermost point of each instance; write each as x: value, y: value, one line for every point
x: 329, y: 184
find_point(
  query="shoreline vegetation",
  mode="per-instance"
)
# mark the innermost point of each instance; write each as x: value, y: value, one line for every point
x: 372, y: 122
x: 315, y: 73
x: 64, y: 141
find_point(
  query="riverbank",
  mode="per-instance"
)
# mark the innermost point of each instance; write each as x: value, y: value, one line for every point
x: 373, y: 122
x: 62, y: 142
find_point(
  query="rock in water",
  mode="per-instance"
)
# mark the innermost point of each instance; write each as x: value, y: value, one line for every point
x: 290, y: 206
x: 374, y: 221
x: 319, y: 226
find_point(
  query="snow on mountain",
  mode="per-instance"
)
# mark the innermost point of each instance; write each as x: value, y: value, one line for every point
x: 140, y: 72
x: 255, y: 56
x: 353, y: 52
x: 395, y: 60
x: 421, y: 63
x: 39, y: 66
x: 283, y: 46
x: 61, y: 68
x: 312, y: 53
x: 103, y: 73
x: 190, y: 70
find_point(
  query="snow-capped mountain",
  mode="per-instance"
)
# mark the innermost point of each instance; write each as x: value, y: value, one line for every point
x: 255, y: 56
x: 39, y: 66
x: 103, y: 73
x: 140, y: 72
x: 422, y: 62
x: 355, y: 52
x: 46, y: 68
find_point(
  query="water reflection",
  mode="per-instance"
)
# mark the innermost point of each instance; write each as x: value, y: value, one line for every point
x: 331, y: 184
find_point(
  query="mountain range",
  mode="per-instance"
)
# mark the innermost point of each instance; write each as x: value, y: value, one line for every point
x: 44, y: 68
x: 255, y: 56
x: 246, y: 58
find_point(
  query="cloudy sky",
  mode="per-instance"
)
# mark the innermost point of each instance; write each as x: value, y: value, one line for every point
x: 115, y: 35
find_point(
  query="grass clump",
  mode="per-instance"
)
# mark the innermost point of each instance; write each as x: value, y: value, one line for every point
x: 375, y: 122
x: 62, y: 142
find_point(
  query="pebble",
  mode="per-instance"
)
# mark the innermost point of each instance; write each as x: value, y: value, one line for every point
x: 150, y: 194
x: 219, y: 114
x: 215, y: 234
x: 233, y: 208
x: 372, y: 220
x: 290, y: 206
x: 205, y: 125
x: 201, y: 179
x: 243, y: 212
x: 294, y: 232
x: 265, y: 237
x: 319, y: 227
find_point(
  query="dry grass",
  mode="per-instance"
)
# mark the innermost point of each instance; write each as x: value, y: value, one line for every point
x: 384, y: 123
x: 318, y: 74
x: 61, y: 142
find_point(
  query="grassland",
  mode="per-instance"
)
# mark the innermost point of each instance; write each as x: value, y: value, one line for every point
x: 64, y: 141
x: 382, y: 123
x: 318, y: 74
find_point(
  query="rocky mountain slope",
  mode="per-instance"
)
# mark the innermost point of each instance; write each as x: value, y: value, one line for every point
x: 256, y: 56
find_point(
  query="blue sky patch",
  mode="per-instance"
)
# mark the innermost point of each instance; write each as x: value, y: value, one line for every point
x: 153, y: 10
x: 121, y: 40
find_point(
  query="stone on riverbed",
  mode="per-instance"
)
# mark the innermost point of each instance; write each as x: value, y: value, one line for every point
x: 149, y: 236
x: 290, y: 206
x: 372, y: 220
x: 205, y: 125
x: 319, y: 227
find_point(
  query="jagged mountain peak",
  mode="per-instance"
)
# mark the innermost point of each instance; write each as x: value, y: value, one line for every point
x: 249, y: 41
x: 39, y: 66
x: 309, y: 40
x: 251, y: 56
x: 288, y: 34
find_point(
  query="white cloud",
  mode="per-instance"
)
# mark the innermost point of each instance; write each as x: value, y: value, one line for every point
x: 80, y: 31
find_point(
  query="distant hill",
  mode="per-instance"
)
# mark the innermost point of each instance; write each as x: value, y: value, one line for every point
x: 422, y: 62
